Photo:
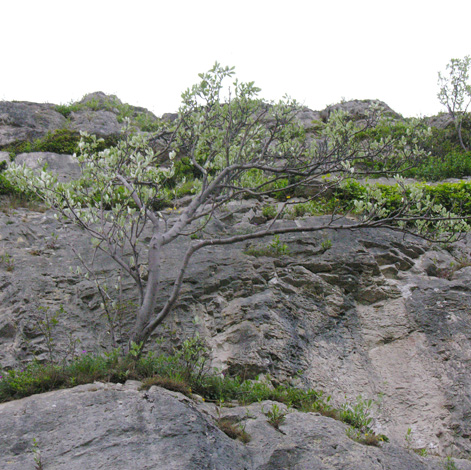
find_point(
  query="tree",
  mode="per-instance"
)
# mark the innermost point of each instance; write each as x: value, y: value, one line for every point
x: 455, y: 93
x: 224, y: 148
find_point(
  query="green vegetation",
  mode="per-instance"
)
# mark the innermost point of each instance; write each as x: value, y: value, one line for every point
x: 455, y: 197
x: 274, y: 249
x: 449, y: 464
x: 269, y: 211
x: 456, y: 164
x: 276, y: 416
x: 38, y: 464
x: 184, y: 370
x: 326, y: 244
x: 139, y: 117
x: 61, y: 141
x: 234, y: 431
x: 7, y: 262
x: 455, y: 95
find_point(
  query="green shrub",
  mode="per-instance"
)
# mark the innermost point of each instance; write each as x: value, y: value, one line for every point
x: 455, y: 197
x: 456, y: 164
x: 62, y: 141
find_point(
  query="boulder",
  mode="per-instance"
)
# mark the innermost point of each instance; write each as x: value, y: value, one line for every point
x: 98, y: 100
x: 4, y: 159
x: 117, y: 426
x: 441, y: 121
x: 307, y: 117
x: 66, y: 167
x: 21, y: 121
x: 102, y: 123
x: 358, y: 109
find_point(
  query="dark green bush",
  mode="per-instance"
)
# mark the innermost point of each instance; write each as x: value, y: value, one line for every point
x: 62, y: 141
x: 456, y: 164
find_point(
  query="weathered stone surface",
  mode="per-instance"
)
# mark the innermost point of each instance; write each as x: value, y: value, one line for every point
x: 100, y: 99
x: 332, y: 315
x: 20, y: 121
x: 441, y: 121
x: 66, y: 167
x: 101, y: 123
x: 307, y: 117
x: 4, y: 157
x: 358, y: 109
x: 118, y: 426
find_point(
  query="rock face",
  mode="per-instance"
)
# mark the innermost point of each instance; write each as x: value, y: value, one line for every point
x: 375, y: 314
x: 97, y: 113
x: 441, y: 121
x: 21, y: 121
x: 116, y: 426
x: 358, y: 109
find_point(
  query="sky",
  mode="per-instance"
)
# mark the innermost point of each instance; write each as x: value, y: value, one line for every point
x: 148, y: 52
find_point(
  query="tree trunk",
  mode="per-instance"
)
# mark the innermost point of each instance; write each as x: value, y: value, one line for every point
x: 151, y: 290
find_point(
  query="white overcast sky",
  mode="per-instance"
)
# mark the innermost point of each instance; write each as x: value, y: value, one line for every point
x: 147, y: 52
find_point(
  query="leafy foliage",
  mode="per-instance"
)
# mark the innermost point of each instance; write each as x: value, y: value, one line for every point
x: 456, y: 164
x: 455, y: 94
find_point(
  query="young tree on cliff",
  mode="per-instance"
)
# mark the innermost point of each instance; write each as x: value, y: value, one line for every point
x: 455, y: 93
x: 226, y: 148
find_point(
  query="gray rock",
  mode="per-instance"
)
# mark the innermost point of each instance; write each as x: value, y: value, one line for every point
x: 20, y: 121
x: 118, y: 426
x: 101, y: 122
x: 441, y: 121
x: 66, y: 167
x: 308, y: 117
x: 4, y: 157
x: 358, y: 109
x: 99, y: 99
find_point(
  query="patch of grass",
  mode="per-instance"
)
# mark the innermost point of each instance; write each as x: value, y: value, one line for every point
x: 170, y: 383
x: 274, y: 249
x: 449, y: 464
x: 366, y: 438
x: 234, y: 431
x: 61, y: 141
x: 7, y: 261
x: 269, y: 211
x: 184, y: 371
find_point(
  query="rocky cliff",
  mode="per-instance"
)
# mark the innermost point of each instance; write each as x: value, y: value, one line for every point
x: 370, y: 313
